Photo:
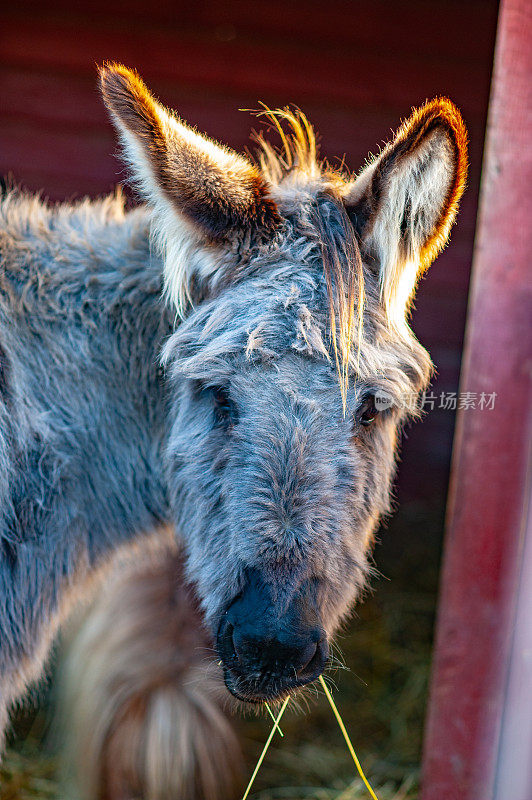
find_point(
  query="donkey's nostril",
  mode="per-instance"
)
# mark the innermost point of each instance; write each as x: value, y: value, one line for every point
x: 306, y: 657
x: 231, y: 642
x: 316, y: 663
x: 226, y: 643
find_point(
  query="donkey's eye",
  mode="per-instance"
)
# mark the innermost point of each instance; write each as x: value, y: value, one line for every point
x: 367, y: 413
x: 224, y: 408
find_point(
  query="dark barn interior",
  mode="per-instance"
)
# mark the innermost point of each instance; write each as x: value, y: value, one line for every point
x: 356, y: 69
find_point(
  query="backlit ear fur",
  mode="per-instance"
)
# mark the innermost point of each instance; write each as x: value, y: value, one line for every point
x: 202, y: 192
x: 405, y: 201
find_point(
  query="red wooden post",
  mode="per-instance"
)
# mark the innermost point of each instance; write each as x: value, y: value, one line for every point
x: 479, y: 689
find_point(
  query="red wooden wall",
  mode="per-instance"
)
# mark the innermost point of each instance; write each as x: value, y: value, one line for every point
x: 478, y: 743
x: 355, y: 67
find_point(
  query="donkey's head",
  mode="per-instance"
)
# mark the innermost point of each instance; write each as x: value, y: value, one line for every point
x: 290, y: 369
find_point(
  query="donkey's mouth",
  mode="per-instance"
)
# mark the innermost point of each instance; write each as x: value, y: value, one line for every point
x: 252, y: 692
x: 274, y: 684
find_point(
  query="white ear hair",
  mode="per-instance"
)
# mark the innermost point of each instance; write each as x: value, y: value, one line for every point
x: 179, y: 243
x: 405, y: 201
x: 202, y: 193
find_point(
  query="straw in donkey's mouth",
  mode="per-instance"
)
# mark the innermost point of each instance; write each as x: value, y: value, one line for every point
x: 343, y: 729
x: 345, y: 734
x: 266, y: 746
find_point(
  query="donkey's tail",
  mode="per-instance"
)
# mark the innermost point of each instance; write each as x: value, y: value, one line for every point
x: 140, y: 699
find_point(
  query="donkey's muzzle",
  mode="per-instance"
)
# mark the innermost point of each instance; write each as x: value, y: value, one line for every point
x: 266, y: 651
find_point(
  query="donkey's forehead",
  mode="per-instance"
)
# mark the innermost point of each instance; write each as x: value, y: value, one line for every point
x: 283, y: 308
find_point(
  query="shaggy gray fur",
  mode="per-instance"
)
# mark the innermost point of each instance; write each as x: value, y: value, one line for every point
x: 81, y: 409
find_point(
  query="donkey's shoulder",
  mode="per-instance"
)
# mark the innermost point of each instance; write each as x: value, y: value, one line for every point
x: 68, y: 248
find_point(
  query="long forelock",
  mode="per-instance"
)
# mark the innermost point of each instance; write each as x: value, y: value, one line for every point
x: 297, y: 166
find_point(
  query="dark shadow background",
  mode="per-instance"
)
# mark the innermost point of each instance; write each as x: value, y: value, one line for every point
x: 356, y: 69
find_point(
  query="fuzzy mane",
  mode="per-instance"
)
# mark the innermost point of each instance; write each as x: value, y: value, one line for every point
x: 299, y: 148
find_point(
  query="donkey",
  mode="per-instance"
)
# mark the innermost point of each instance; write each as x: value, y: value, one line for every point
x: 268, y: 433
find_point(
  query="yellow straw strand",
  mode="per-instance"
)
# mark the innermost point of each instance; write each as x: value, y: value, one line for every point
x: 272, y: 715
x: 346, y: 737
x: 265, y: 748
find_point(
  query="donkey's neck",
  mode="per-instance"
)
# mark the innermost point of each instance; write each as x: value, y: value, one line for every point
x: 81, y: 325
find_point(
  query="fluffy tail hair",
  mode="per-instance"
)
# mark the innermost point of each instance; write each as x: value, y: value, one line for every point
x: 139, y: 702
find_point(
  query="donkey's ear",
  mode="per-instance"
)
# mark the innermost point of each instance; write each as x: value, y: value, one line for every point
x: 184, y: 175
x: 405, y: 201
